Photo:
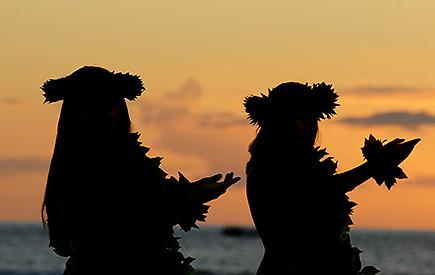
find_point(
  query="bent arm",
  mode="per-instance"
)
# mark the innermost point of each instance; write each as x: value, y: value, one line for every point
x: 350, y: 179
x: 186, y: 200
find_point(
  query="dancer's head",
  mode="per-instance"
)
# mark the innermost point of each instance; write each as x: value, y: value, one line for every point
x: 293, y: 108
x: 93, y: 101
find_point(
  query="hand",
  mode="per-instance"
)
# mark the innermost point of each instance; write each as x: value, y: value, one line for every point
x: 195, y: 194
x: 383, y: 159
x: 397, y: 150
x: 210, y: 188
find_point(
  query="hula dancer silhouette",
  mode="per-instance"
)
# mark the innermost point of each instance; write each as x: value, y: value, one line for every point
x: 108, y: 206
x: 297, y: 199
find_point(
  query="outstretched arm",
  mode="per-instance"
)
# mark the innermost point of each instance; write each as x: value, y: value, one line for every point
x: 210, y: 188
x: 186, y: 201
x: 382, y: 163
x: 349, y: 180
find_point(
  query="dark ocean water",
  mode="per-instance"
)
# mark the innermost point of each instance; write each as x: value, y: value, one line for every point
x: 24, y: 251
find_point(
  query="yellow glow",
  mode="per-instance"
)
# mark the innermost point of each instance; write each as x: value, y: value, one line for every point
x: 232, y: 50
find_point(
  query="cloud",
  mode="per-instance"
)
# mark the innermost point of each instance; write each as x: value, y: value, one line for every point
x: 161, y: 113
x: 372, y: 90
x: 401, y: 119
x: 213, y: 141
x: 221, y: 149
x: 189, y: 90
x: 220, y: 120
x: 11, y: 101
x: 178, y: 105
x: 426, y: 181
x: 15, y: 165
x: 172, y: 106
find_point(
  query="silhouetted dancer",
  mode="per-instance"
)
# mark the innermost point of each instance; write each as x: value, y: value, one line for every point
x: 297, y: 200
x: 108, y: 206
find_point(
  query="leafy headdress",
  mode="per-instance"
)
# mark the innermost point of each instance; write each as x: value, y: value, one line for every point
x: 292, y: 99
x: 93, y: 83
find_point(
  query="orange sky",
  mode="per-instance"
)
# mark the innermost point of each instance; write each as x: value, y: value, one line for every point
x: 211, y: 54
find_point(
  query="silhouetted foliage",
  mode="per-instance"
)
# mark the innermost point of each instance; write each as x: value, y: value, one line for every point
x: 109, y: 207
x: 384, y: 159
x: 297, y: 199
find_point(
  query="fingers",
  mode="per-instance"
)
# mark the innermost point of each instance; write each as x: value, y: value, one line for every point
x: 400, y: 151
x: 211, y: 179
x: 213, y: 185
x: 232, y: 181
x: 212, y: 189
x: 229, y: 179
x: 413, y: 142
x: 229, y: 176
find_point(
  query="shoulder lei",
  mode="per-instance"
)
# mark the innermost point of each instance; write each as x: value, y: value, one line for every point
x: 182, y: 211
x: 328, y: 167
x: 323, y: 162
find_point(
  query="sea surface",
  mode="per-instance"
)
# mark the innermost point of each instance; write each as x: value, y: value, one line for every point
x: 24, y: 251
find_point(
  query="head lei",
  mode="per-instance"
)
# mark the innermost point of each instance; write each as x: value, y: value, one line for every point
x: 93, y: 83
x: 292, y: 100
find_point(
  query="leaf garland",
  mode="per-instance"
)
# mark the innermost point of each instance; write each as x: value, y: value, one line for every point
x: 181, y: 209
x: 292, y: 99
x: 93, y: 83
x: 343, y: 207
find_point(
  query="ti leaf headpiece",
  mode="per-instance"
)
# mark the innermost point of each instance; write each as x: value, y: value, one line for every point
x: 292, y: 100
x: 93, y: 83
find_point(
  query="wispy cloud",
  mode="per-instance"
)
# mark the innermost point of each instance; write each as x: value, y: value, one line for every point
x: 11, y: 101
x: 161, y: 113
x: 216, y: 141
x: 16, y: 165
x: 179, y: 104
x: 172, y: 106
x: 189, y: 90
x: 428, y: 181
x: 401, y: 119
x: 383, y: 90
x: 220, y: 120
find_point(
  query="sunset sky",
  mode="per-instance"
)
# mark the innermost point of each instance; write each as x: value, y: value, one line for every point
x: 198, y: 60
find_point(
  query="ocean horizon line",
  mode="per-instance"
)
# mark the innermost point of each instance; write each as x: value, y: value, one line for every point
x: 243, y: 227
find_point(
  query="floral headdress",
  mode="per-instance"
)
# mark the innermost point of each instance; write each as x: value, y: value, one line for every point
x: 292, y: 99
x: 90, y: 82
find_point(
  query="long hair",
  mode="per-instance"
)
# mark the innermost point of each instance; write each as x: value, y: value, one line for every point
x: 81, y: 126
